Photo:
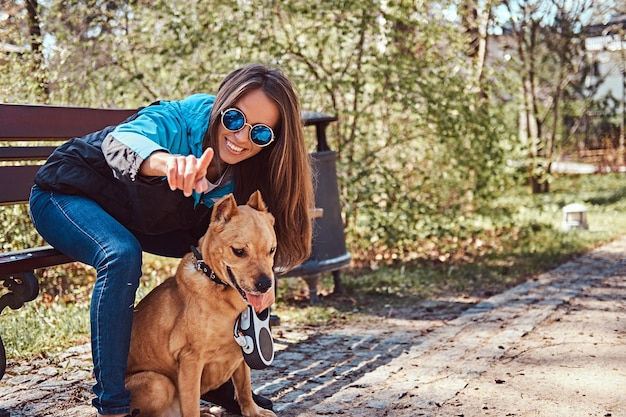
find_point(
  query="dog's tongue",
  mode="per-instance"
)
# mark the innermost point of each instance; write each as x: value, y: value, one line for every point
x: 259, y: 301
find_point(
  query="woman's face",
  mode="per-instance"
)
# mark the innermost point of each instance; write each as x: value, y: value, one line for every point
x: 258, y: 108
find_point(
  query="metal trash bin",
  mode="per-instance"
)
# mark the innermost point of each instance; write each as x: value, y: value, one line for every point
x: 329, y: 252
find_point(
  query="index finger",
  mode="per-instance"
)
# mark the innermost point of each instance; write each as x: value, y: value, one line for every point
x: 205, y: 160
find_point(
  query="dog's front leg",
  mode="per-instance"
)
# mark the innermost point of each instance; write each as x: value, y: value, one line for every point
x: 243, y: 392
x: 189, y: 374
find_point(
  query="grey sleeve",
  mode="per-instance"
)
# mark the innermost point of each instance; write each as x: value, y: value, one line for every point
x: 124, y: 162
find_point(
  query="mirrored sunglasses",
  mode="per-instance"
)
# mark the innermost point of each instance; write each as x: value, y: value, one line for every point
x: 234, y: 120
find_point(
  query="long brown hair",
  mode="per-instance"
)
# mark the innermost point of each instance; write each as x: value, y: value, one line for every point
x: 282, y: 170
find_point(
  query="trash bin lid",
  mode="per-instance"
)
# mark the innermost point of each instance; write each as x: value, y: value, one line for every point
x: 313, y: 117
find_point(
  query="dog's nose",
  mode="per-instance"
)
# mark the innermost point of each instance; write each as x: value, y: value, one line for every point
x: 264, y: 283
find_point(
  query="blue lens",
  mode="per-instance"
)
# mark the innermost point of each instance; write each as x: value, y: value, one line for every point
x: 261, y: 135
x: 233, y: 120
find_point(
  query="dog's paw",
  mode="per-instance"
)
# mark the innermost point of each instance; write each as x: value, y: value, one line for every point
x: 212, y: 412
x: 260, y: 412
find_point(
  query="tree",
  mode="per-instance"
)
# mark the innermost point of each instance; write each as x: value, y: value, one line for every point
x: 550, y: 59
x: 22, y: 52
x: 414, y: 144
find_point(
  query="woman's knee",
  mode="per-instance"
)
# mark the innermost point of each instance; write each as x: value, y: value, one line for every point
x: 118, y: 262
x: 121, y: 257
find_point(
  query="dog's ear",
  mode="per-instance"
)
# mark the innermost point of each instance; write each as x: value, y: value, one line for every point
x: 256, y: 201
x: 224, y: 209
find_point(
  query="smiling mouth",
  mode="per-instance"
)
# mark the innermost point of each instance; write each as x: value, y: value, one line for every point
x: 234, y: 148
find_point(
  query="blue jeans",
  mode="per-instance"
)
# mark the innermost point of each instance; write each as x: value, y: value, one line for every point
x: 80, y: 228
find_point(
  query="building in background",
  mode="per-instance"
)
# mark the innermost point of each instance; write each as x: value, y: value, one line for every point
x: 605, y: 44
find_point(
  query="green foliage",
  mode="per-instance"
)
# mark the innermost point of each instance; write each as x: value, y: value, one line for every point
x: 18, y: 231
x: 413, y: 141
x: 421, y: 146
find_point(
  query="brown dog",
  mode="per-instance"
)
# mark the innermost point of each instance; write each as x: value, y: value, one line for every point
x: 182, y: 340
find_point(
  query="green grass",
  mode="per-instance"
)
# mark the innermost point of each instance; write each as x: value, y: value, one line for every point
x: 517, y: 237
x: 521, y: 236
x: 40, y: 330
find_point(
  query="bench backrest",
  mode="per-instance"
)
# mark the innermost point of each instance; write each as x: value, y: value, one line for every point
x: 30, y: 133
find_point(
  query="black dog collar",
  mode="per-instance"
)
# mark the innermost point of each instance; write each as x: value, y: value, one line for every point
x: 202, y: 266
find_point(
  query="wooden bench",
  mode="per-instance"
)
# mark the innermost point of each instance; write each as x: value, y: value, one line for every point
x: 28, y: 135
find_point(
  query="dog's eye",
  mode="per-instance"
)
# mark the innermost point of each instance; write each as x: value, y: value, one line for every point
x: 240, y: 253
x: 273, y: 250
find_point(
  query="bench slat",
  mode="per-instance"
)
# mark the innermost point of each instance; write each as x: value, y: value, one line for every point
x: 25, y: 153
x: 29, y: 259
x: 16, y: 182
x: 29, y: 122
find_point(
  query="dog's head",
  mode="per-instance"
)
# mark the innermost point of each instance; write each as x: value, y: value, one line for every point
x: 240, y: 246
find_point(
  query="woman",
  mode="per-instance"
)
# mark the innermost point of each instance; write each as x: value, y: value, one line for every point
x: 149, y: 183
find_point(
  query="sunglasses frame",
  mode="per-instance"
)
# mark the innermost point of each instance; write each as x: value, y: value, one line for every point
x: 245, y: 123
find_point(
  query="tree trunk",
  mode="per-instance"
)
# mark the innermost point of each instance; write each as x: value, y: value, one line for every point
x: 36, y: 46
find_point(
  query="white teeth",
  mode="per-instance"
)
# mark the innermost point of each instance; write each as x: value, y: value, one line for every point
x: 233, y: 147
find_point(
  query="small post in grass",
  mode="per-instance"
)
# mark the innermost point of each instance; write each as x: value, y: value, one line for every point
x: 575, y: 217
